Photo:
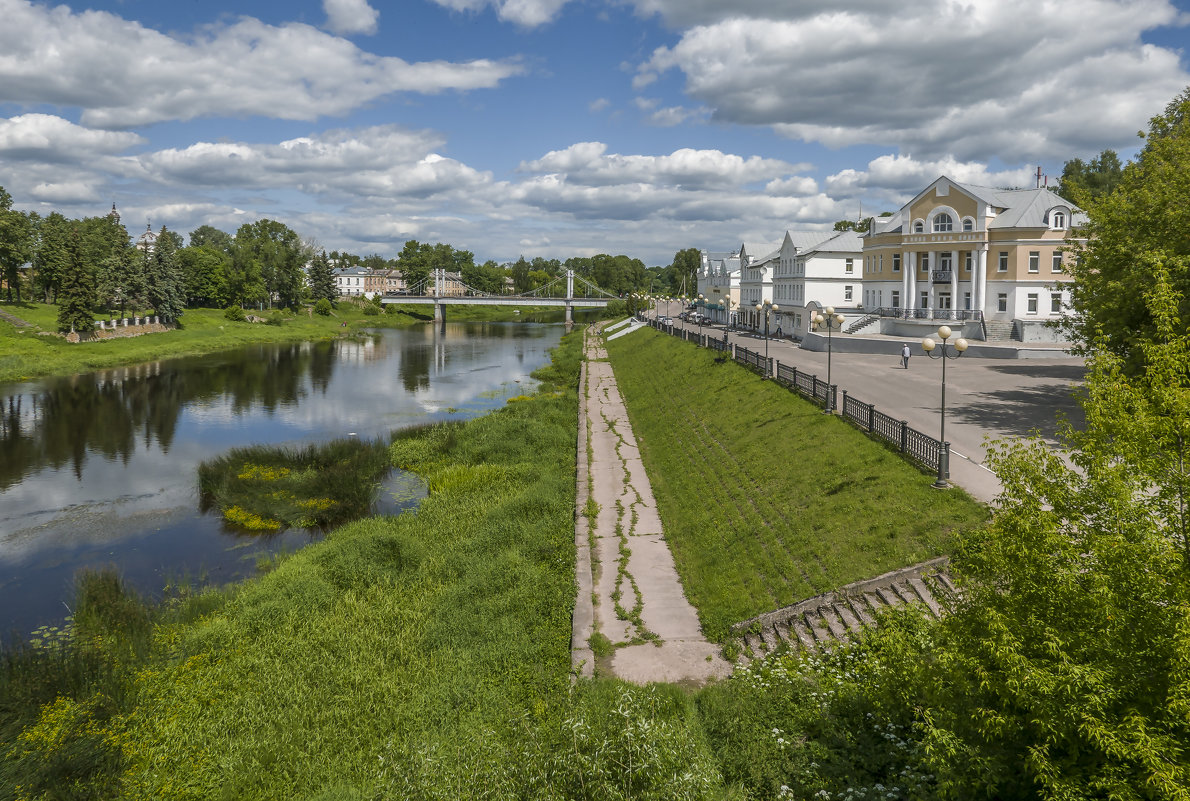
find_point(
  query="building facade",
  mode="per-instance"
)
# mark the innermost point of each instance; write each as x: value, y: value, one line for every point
x: 973, y: 255
x: 817, y: 267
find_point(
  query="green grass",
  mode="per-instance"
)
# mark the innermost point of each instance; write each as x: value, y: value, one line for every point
x: 764, y: 500
x: 262, y: 488
x: 32, y: 352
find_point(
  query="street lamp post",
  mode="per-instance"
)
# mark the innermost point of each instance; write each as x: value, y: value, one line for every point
x: 831, y: 321
x: 703, y: 301
x: 942, y: 351
x: 767, y: 308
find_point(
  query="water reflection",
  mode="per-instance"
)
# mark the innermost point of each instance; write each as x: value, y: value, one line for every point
x: 100, y: 469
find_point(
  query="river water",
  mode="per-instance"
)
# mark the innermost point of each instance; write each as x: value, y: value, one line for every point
x: 100, y: 470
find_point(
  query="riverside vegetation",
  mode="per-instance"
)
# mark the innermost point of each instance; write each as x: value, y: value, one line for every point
x: 427, y: 655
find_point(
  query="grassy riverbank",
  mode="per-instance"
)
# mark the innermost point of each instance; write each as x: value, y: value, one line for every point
x: 32, y: 352
x: 765, y: 500
x: 421, y: 656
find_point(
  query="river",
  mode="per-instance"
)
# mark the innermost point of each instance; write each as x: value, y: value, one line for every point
x: 99, y: 470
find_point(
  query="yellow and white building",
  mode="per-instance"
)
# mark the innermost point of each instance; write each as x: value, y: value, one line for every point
x: 989, y: 259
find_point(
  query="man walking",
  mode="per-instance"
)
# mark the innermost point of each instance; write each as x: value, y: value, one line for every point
x: 905, y: 353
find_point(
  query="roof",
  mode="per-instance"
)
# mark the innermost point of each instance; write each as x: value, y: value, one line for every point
x: 839, y: 242
x: 1015, y: 208
x: 807, y: 240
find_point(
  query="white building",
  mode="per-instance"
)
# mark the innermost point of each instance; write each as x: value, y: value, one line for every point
x: 758, y: 267
x: 352, y: 281
x: 719, y: 283
x: 817, y: 268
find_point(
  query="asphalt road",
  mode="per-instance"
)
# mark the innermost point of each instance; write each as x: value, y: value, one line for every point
x: 985, y: 398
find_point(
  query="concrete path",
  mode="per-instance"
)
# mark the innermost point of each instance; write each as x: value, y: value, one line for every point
x: 985, y: 398
x: 628, y: 587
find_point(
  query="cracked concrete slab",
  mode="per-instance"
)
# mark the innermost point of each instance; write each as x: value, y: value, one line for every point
x: 629, y: 588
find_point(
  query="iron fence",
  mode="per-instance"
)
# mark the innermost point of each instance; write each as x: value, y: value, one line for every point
x: 750, y: 358
x: 921, y: 448
x: 805, y: 384
x: 716, y: 344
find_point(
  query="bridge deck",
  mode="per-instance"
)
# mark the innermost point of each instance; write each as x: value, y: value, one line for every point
x: 494, y: 300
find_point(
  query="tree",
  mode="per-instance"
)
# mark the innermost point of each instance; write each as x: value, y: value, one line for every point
x: 1065, y: 672
x: 204, y: 269
x: 16, y: 243
x: 686, y: 263
x: 1084, y: 184
x: 211, y: 237
x: 322, y: 279
x: 76, y: 289
x: 1138, y: 231
x: 266, y: 264
x: 520, y: 275
x: 414, y: 263
x: 166, y: 285
x: 487, y: 277
x: 860, y: 226
x: 52, y: 256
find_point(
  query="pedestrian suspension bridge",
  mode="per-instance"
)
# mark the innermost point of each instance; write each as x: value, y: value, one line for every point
x: 442, y: 290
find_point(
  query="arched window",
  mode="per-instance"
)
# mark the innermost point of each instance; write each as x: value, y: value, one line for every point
x: 943, y: 222
x: 968, y: 224
x: 919, y: 227
x: 1059, y: 220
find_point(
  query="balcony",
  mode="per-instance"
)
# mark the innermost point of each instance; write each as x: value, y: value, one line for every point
x: 943, y: 276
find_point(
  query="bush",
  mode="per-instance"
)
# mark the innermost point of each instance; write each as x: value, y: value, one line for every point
x: 615, y: 308
x: 323, y: 307
x: 391, y: 309
x: 234, y: 313
x: 371, y: 310
x: 276, y: 318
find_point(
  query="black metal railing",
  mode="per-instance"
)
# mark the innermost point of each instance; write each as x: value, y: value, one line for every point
x: 943, y: 276
x: 806, y: 384
x: 752, y: 359
x: 921, y: 448
x: 929, y: 314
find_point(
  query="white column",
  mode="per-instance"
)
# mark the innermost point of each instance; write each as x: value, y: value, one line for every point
x: 910, y: 267
x: 981, y: 277
x: 954, y: 280
x: 905, y: 262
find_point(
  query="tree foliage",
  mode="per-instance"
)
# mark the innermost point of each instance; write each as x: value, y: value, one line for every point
x: 1139, y: 231
x: 1085, y: 183
x: 166, y: 283
x: 16, y: 243
x: 685, y: 265
x: 76, y: 288
x: 322, y: 280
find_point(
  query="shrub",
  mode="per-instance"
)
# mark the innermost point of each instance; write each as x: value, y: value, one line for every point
x: 234, y: 313
x: 371, y: 310
x: 276, y: 318
x: 615, y: 308
x: 323, y: 307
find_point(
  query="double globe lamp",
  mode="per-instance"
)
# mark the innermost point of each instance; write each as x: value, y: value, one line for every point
x: 945, y: 351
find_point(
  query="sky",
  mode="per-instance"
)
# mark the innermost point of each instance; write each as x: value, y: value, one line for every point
x: 561, y: 128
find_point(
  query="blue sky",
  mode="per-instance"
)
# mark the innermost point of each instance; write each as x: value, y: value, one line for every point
x: 561, y: 127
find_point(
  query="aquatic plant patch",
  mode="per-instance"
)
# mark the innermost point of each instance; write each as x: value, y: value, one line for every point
x: 267, y: 489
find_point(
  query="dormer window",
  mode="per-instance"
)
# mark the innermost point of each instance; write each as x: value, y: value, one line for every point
x: 1058, y: 221
x: 943, y: 223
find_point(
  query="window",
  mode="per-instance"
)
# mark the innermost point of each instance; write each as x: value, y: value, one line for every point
x: 1002, y: 265
x: 1032, y: 303
x: 944, y: 261
x: 943, y: 222
x: 967, y: 262
x: 1002, y: 302
x: 1057, y: 265
x: 925, y: 300
x: 1056, y: 303
x: 968, y: 224
x: 924, y: 260
x: 850, y: 268
x: 1034, y: 261
x: 1059, y: 221
x: 847, y: 293
x: 919, y: 227
x: 896, y: 298
x: 880, y: 269
x: 967, y: 300
x: 896, y: 262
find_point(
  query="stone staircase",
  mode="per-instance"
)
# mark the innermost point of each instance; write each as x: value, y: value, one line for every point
x: 1000, y: 330
x: 826, y: 620
x: 14, y: 320
x: 862, y: 323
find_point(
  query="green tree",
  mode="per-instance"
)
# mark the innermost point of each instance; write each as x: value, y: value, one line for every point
x: 266, y: 264
x: 16, y: 243
x: 210, y: 237
x: 414, y: 262
x: 487, y: 277
x: 1065, y: 672
x: 686, y: 263
x: 1084, y: 183
x: 204, y: 270
x: 520, y: 275
x: 166, y: 284
x: 853, y: 225
x: 1139, y: 230
x: 322, y: 279
x: 76, y: 290
x: 50, y: 260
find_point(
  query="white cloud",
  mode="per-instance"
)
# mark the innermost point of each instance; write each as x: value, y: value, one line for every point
x: 350, y: 16
x: 245, y: 68
x: 1014, y: 79
x: 526, y: 13
x: 599, y: 104
x: 53, y: 139
x: 891, y: 180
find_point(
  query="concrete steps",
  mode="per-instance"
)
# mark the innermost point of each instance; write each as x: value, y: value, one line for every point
x: 1000, y: 330
x: 826, y: 620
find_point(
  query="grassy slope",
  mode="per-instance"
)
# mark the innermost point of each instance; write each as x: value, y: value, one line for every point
x: 765, y: 501
x: 394, y: 634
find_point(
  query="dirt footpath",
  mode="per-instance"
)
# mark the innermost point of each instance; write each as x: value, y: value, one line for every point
x: 628, y: 588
